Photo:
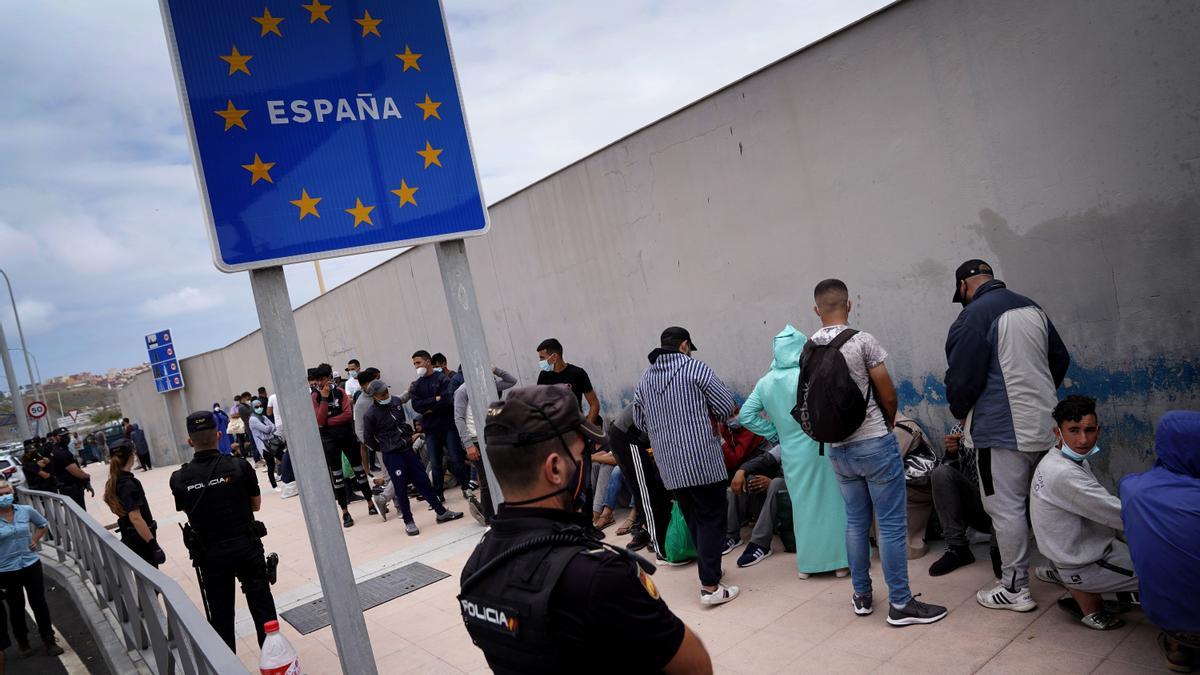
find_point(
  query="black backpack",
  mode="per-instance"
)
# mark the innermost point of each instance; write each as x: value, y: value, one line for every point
x: 829, y: 405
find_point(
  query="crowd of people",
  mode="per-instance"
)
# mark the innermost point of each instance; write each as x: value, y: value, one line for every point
x: 817, y: 459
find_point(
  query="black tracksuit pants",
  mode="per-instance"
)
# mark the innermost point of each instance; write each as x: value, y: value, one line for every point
x: 650, y: 496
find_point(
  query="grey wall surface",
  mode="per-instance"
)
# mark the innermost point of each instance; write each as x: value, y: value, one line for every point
x: 1060, y: 141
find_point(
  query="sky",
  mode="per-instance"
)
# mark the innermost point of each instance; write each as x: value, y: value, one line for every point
x: 101, y: 228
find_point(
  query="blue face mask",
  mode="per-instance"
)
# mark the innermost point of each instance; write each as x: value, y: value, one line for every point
x: 1075, y: 456
x: 6, y: 501
x: 439, y: 370
x: 545, y: 366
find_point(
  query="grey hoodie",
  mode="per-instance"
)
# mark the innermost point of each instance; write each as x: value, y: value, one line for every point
x: 1074, y: 518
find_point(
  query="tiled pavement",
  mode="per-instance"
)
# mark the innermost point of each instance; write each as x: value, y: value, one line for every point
x: 780, y: 624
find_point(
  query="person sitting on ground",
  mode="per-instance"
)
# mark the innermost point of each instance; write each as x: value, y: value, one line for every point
x: 752, y: 496
x: 1076, y: 520
x: 955, y: 485
x: 1161, y: 512
x: 603, y: 465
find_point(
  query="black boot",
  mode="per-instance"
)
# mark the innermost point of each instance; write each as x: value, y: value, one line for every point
x: 954, y: 558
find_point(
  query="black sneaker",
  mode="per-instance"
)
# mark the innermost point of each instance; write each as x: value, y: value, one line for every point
x: 915, y: 612
x: 347, y: 521
x: 730, y: 544
x: 862, y: 603
x: 954, y: 558
x: 371, y: 510
x: 753, y: 555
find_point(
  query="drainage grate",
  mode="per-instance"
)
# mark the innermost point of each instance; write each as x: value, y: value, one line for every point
x: 314, y: 615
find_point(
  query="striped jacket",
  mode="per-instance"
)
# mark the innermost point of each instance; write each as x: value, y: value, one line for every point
x: 675, y: 402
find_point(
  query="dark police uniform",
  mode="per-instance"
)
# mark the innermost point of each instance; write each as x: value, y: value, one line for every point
x: 133, y: 499
x: 61, y: 458
x: 540, y: 586
x: 214, y: 490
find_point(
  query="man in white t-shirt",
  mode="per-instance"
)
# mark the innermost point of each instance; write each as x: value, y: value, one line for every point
x: 868, y: 465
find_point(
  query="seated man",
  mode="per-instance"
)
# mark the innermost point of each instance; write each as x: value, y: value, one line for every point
x: 1076, y: 520
x: 1161, y: 511
x: 752, y: 492
x: 955, y: 484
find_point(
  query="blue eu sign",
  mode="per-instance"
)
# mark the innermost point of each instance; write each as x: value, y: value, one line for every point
x: 323, y: 129
x: 163, y: 362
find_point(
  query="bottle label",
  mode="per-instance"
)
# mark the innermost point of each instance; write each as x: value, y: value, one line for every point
x: 292, y: 668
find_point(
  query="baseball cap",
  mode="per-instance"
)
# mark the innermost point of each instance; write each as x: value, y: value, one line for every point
x: 674, y: 336
x: 201, y: 420
x: 375, y: 387
x: 121, y: 447
x: 533, y: 414
x: 966, y: 271
x: 61, y: 431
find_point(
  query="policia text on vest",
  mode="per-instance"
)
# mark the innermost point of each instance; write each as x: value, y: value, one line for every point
x: 220, y: 494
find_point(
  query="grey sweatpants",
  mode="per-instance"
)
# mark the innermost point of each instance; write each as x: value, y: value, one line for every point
x: 1113, y: 574
x: 741, y: 507
x: 1004, y: 477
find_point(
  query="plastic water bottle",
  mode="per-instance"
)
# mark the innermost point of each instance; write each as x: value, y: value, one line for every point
x: 278, y: 655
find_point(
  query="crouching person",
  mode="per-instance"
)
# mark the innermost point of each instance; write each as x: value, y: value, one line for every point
x: 1076, y: 520
x: 752, y: 494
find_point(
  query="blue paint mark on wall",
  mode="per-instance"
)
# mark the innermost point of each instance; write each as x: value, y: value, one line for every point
x: 1172, y: 380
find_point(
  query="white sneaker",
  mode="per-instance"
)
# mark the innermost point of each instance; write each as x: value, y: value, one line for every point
x: 1048, y: 574
x: 722, y: 595
x: 1000, y: 597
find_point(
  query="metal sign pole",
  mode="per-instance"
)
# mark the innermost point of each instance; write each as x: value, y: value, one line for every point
x: 324, y: 531
x: 472, y: 345
x: 14, y: 389
x: 172, y: 439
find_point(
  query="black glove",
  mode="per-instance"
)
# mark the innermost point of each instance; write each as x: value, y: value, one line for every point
x: 157, y: 555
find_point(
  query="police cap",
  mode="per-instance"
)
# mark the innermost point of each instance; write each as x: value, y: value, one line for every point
x: 533, y: 414
x: 122, y: 448
x: 201, y: 420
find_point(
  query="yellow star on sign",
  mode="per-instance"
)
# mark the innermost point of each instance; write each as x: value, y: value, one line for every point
x: 317, y: 11
x: 431, y: 155
x: 232, y: 116
x: 270, y: 24
x: 405, y: 193
x: 237, y: 61
x: 369, y: 25
x: 409, y: 59
x: 308, y: 205
x: 362, y: 214
x: 259, y: 170
x: 430, y: 108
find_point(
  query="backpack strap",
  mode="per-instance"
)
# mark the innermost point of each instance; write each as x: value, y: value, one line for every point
x: 842, y: 338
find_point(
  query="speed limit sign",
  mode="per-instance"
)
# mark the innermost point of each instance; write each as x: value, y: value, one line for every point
x: 36, y: 409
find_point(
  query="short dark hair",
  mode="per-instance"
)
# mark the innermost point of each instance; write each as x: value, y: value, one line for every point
x: 245, y: 394
x: 831, y: 293
x: 204, y: 439
x: 354, y: 361
x: 422, y: 354
x: 438, y: 358
x: 367, y: 376
x: 551, y: 345
x: 1074, y: 408
x: 516, y: 466
x: 262, y: 390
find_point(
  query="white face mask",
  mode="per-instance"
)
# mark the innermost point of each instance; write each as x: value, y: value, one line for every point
x: 439, y: 369
x: 422, y: 371
x: 384, y: 401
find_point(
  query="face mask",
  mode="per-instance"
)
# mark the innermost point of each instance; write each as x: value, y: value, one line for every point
x: 351, y: 373
x: 216, y: 408
x: 576, y: 486
x: 6, y: 501
x: 384, y: 401
x: 545, y: 366
x: 439, y: 369
x: 258, y: 409
x: 422, y: 371
x: 1075, y: 456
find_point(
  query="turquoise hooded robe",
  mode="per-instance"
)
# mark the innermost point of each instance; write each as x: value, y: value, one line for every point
x: 819, y: 514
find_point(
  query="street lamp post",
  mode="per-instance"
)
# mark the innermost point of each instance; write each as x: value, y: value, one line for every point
x: 14, y: 389
x: 37, y: 389
x: 37, y: 368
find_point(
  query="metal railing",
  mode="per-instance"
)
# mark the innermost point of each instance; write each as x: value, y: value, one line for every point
x: 157, y: 619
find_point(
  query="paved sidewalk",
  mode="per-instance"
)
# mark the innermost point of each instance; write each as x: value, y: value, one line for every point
x: 780, y: 624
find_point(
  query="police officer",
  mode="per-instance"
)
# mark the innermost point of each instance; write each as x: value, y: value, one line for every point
x: 72, y: 480
x: 125, y: 497
x: 540, y: 586
x: 219, y: 493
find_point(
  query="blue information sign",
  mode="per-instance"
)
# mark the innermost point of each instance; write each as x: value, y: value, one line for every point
x: 163, y: 362
x: 323, y: 129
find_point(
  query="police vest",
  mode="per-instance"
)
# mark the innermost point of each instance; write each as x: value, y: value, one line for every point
x: 210, y: 490
x: 506, y: 589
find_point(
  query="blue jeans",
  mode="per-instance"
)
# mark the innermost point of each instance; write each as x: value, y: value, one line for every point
x: 616, y: 483
x: 871, y: 476
x: 443, y: 446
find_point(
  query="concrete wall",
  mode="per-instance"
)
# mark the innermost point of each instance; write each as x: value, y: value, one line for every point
x: 1060, y: 141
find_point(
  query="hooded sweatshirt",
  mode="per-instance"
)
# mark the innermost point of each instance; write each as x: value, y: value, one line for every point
x: 1074, y: 518
x: 675, y: 402
x: 1161, y: 510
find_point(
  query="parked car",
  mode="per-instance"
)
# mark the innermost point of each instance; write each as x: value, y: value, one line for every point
x: 10, y: 469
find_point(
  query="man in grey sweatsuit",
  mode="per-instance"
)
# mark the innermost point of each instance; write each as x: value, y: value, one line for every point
x: 1005, y: 362
x: 482, y: 509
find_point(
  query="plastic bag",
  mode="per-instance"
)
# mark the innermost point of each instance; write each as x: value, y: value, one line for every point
x: 679, y: 546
